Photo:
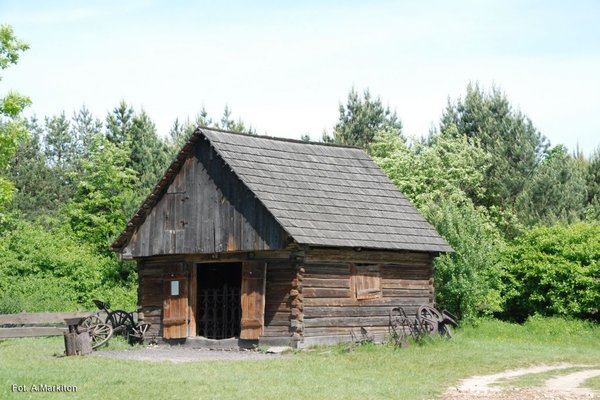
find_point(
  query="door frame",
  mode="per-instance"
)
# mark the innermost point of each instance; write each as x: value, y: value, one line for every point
x: 193, y: 291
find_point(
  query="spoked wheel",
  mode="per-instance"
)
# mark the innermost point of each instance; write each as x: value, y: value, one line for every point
x: 87, y: 323
x: 448, y: 324
x: 138, y: 333
x: 429, y: 318
x: 446, y: 331
x: 120, y: 321
x: 100, y: 334
x: 397, y: 325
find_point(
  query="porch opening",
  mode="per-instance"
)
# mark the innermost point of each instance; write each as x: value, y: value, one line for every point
x: 219, y: 307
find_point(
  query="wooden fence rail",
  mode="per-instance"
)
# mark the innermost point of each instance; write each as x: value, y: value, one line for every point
x: 37, y: 324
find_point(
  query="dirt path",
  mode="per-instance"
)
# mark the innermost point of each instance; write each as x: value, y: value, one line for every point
x: 563, y: 387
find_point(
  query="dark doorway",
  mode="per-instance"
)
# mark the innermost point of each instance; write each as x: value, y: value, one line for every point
x: 219, y: 310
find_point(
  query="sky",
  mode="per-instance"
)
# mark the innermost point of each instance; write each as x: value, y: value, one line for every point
x: 284, y: 67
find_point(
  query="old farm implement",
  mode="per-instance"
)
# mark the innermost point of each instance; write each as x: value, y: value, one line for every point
x: 427, y: 323
x: 122, y: 323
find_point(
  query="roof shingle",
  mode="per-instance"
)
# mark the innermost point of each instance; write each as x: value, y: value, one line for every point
x: 326, y: 195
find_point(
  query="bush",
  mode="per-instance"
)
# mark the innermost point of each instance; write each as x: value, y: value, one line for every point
x: 553, y: 272
x: 466, y: 281
x: 50, y: 270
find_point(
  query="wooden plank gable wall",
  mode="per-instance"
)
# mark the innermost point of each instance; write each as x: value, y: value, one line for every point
x: 206, y: 209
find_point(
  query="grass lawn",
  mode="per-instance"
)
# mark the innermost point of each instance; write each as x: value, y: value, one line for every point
x: 366, y: 372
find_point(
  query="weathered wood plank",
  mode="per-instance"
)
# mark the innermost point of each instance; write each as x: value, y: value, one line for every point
x: 344, y: 321
x: 391, y: 301
x: 425, y: 284
x: 426, y: 292
x: 325, y: 292
x: 40, y: 318
x: 6, y: 333
x: 206, y: 209
x: 331, y: 331
x: 310, y: 281
x: 346, y: 311
x: 366, y: 256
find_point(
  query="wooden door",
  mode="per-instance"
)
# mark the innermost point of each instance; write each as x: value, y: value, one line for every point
x: 175, y: 307
x: 253, y: 299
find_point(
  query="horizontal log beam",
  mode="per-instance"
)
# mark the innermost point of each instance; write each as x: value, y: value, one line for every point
x: 6, y: 333
x: 40, y: 318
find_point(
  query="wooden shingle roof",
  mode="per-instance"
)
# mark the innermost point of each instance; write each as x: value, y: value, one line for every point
x: 322, y: 195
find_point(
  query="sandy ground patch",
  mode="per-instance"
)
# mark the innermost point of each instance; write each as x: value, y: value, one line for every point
x: 563, y: 387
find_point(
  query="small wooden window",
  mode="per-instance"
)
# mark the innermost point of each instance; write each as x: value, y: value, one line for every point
x: 366, y: 281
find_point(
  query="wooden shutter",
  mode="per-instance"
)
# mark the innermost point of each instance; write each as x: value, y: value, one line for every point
x: 367, y: 282
x: 253, y: 300
x: 175, y: 307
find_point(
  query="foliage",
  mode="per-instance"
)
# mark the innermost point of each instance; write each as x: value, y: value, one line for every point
x: 96, y: 213
x: 553, y: 271
x: 229, y: 124
x: 508, y: 136
x: 51, y: 270
x: 447, y: 168
x: 556, y: 191
x: 437, y: 178
x: 148, y: 156
x: 593, y: 186
x: 12, y: 126
x: 466, y: 281
x: 361, y: 119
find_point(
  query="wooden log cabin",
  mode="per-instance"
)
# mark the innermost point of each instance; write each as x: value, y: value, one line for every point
x: 276, y: 241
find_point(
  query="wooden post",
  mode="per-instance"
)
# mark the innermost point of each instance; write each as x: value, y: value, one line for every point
x: 77, y: 344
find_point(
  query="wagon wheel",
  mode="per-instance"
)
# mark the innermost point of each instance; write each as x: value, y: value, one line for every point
x: 447, y: 325
x: 446, y: 331
x: 120, y: 321
x: 100, y: 334
x: 429, y: 318
x: 430, y: 313
x: 397, y: 325
x: 138, y: 333
x: 87, y: 323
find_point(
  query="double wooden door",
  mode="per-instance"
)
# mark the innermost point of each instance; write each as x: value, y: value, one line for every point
x: 178, y: 310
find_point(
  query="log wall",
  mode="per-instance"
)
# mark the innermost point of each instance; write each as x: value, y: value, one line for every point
x: 150, y: 289
x: 309, y: 299
x: 281, y: 275
x: 332, y: 312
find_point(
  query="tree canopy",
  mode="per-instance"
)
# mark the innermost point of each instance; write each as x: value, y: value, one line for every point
x: 12, y: 104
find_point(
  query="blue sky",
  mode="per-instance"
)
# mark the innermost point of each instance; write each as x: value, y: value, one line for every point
x: 285, y: 66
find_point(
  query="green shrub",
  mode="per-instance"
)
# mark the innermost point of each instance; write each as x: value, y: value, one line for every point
x: 45, y: 269
x: 553, y: 272
x: 466, y: 281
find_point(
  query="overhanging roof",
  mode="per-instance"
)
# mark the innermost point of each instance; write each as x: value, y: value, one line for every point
x: 321, y: 194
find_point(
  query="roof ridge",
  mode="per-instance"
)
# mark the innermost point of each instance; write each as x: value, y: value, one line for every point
x: 280, y: 139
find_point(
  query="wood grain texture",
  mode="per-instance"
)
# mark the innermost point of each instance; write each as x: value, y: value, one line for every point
x: 206, y: 209
x: 333, y: 308
x: 6, y: 333
x: 253, y: 300
x: 175, y: 309
x: 40, y: 318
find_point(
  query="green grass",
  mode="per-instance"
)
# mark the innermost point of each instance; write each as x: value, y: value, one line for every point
x: 593, y: 383
x: 365, y: 372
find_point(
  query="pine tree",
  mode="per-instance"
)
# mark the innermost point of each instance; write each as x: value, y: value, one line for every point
x: 361, y: 119
x: 515, y: 145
